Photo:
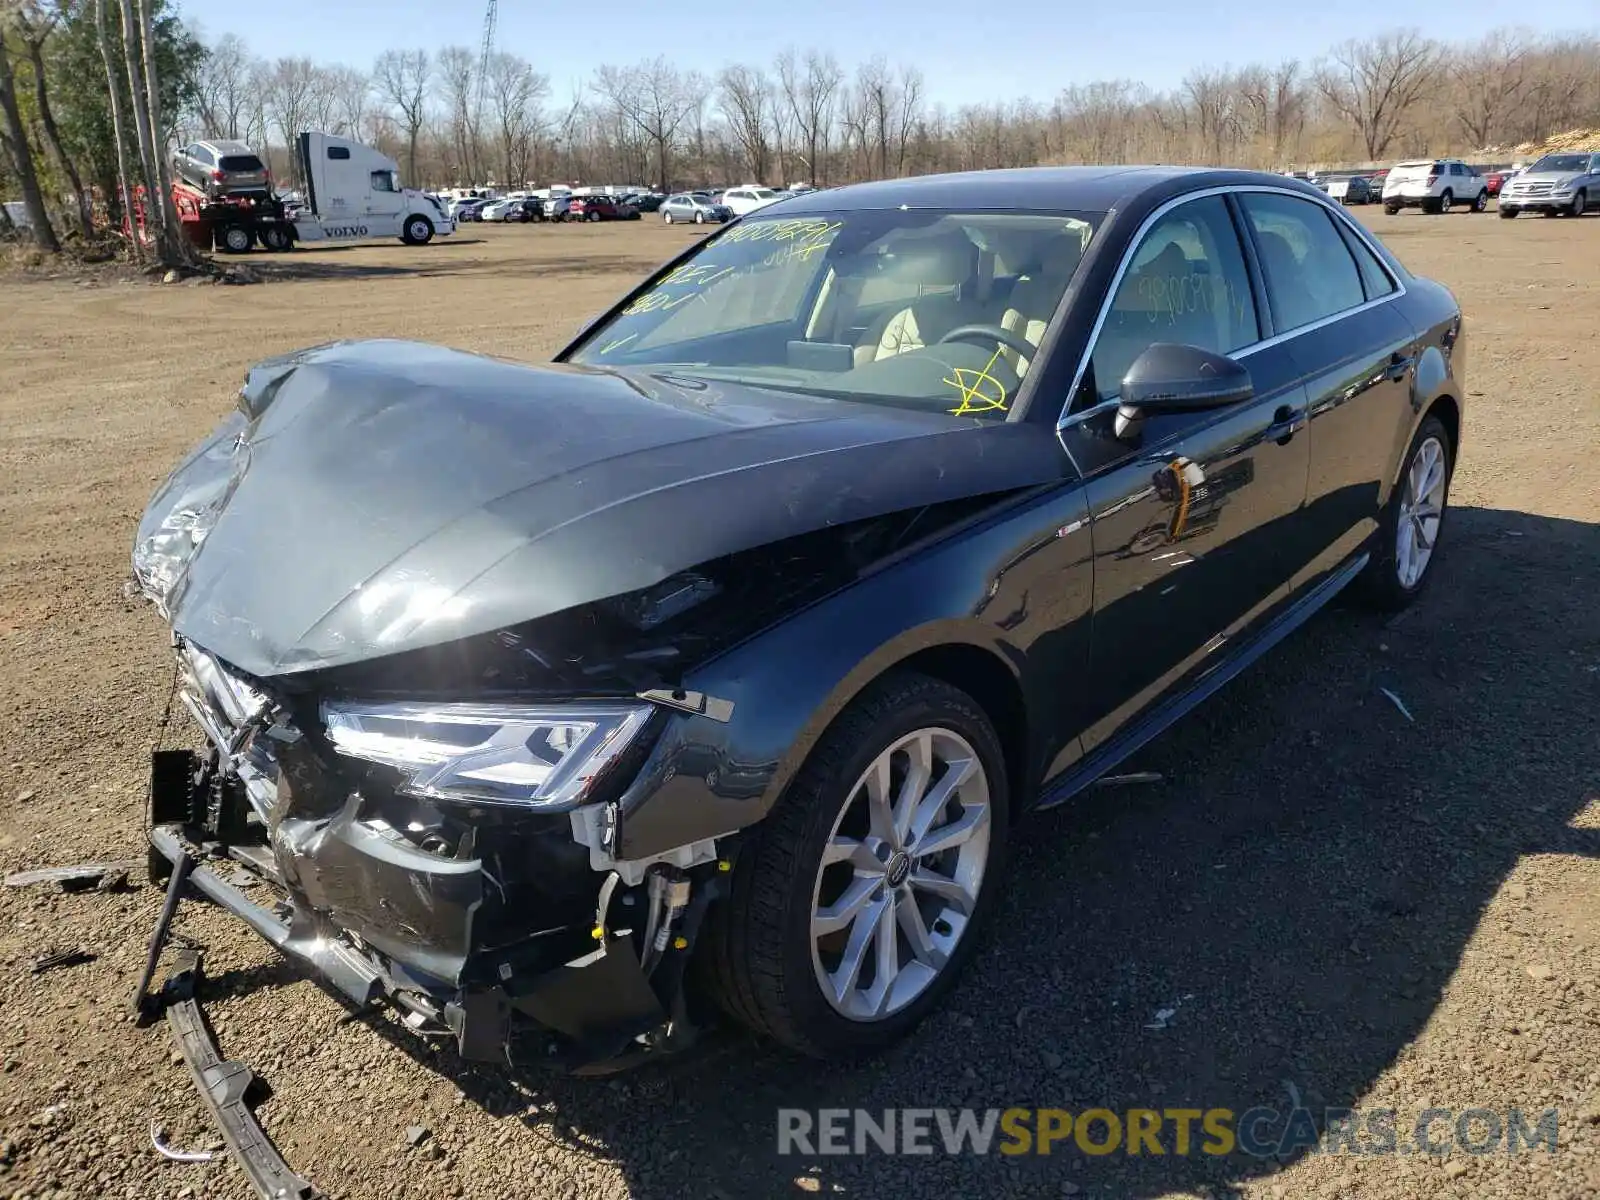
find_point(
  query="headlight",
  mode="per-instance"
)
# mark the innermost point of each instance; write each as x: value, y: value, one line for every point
x: 543, y: 758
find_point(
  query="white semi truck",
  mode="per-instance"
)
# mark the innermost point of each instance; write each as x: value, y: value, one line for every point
x: 353, y: 193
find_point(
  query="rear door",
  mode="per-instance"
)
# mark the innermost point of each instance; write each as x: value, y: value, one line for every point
x: 1332, y: 307
x: 1191, y: 519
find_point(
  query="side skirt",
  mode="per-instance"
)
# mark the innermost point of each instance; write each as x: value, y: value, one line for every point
x: 1116, y: 749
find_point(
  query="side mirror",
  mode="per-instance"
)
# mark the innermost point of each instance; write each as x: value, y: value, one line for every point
x: 1169, y: 377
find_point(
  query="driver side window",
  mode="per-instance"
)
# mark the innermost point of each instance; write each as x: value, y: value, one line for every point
x: 1186, y: 283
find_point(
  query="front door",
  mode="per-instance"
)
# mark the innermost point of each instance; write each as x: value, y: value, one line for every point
x: 1189, y: 516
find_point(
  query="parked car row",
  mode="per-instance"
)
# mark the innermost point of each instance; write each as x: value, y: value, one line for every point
x: 1563, y: 184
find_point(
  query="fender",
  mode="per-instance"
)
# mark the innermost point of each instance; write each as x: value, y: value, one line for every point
x: 706, y: 778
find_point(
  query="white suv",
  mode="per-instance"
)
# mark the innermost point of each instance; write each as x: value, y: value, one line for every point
x: 1434, y: 185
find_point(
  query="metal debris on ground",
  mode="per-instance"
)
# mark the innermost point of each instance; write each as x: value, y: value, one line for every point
x: 61, y: 958
x: 1400, y: 704
x: 102, y: 876
x: 158, y: 1140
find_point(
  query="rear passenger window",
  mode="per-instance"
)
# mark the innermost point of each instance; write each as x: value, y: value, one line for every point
x: 1309, y: 272
x: 1374, y: 279
x: 1187, y: 283
x: 338, y: 152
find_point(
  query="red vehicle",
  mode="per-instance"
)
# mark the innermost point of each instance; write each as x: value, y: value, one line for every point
x: 1494, y: 180
x: 601, y: 208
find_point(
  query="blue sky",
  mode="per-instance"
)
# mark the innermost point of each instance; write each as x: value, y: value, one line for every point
x: 962, y: 59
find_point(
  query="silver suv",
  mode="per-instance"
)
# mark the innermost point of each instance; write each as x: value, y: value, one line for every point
x: 1435, y: 185
x: 221, y: 168
x: 1558, y: 183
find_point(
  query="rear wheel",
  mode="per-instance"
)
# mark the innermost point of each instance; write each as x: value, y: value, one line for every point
x: 1445, y: 201
x: 862, y: 894
x: 1408, y: 531
x: 275, y: 238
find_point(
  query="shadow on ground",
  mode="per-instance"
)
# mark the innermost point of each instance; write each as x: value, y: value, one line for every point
x: 429, y: 262
x: 1299, y: 890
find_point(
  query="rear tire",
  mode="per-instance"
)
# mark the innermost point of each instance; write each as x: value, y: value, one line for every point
x: 274, y: 238
x: 1386, y: 583
x: 766, y: 958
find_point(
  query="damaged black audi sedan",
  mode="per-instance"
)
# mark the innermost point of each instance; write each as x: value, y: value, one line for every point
x: 711, y: 666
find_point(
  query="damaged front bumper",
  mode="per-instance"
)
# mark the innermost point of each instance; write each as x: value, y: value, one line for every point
x: 515, y: 934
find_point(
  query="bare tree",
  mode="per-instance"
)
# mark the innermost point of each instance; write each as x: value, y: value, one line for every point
x: 516, y: 94
x: 1375, y: 84
x: 811, y: 92
x: 656, y: 100
x: 1490, y: 78
x: 322, y: 99
x: 224, y: 85
x: 118, y: 125
x: 352, y: 92
x: 401, y: 78
x: 35, y: 25
x: 744, y: 98
x: 14, y: 136
x: 458, y: 83
x: 288, y: 98
x: 172, y: 242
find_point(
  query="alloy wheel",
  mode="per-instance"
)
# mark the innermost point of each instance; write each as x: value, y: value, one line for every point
x: 1421, y: 512
x: 900, y: 875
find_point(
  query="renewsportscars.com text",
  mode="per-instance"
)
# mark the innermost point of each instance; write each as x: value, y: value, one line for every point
x: 1259, y: 1132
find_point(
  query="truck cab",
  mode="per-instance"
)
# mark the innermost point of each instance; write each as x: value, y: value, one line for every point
x: 354, y: 194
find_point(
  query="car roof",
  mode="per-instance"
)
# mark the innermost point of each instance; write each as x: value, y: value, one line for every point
x: 227, y: 147
x: 1087, y: 189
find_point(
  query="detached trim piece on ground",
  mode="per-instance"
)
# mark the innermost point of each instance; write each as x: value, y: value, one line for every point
x: 223, y: 1086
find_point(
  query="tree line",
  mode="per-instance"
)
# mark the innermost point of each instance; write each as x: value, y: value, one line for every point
x: 452, y: 118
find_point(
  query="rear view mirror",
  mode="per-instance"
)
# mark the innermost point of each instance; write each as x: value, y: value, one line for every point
x: 1169, y: 377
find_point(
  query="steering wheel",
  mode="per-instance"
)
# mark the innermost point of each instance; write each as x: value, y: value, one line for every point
x: 991, y: 333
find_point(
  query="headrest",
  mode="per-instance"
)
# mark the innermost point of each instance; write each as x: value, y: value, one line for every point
x: 946, y: 261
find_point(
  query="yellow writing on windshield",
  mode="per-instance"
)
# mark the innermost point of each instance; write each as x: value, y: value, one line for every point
x: 980, y: 391
x: 809, y: 230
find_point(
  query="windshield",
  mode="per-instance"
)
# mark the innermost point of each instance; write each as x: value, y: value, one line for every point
x: 930, y: 309
x: 1561, y: 162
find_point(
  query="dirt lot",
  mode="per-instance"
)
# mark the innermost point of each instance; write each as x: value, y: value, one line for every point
x: 1338, y: 901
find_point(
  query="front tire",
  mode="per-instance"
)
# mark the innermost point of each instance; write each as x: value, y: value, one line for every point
x: 1409, y: 529
x: 863, y: 893
x: 699, y: 218
x: 1580, y: 204
x: 418, y: 231
x: 1507, y: 214
x: 1481, y: 204
x: 1391, y: 209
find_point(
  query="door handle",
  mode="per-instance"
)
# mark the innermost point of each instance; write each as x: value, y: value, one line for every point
x: 1286, y: 422
x: 1399, y: 365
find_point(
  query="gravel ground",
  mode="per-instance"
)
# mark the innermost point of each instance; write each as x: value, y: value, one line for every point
x: 1339, y: 901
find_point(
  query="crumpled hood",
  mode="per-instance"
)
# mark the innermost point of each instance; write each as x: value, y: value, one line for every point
x: 375, y: 497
